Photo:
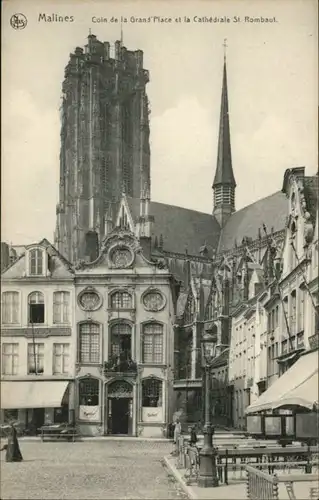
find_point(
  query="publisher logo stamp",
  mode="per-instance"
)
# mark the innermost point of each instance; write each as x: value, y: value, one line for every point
x: 18, y: 21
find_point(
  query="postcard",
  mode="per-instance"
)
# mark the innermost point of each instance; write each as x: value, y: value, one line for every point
x: 159, y: 246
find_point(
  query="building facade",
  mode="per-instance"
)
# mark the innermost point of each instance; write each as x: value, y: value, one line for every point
x: 124, y: 318
x: 38, y: 338
x: 91, y: 344
x: 275, y: 326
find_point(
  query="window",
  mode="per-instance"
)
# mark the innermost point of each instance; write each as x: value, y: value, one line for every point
x: 276, y: 317
x: 153, y: 343
x: 300, y: 340
x: 190, y: 310
x: 10, y: 353
x: 36, y: 262
x: 35, y: 358
x: 10, y: 308
x: 152, y: 393
x: 61, y: 307
x: 272, y: 320
x: 121, y: 339
x: 284, y: 347
x: 301, y: 310
x: 10, y: 416
x: 121, y: 300
x: 89, y: 391
x: 209, y: 311
x: 293, y: 313
x: 61, y: 356
x: 36, y: 307
x: 89, y: 343
x: 285, y: 313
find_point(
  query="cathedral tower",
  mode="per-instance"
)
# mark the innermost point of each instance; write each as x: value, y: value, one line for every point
x: 224, y: 182
x: 104, y: 139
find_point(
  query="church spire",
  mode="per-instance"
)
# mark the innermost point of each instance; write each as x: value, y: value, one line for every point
x: 224, y: 181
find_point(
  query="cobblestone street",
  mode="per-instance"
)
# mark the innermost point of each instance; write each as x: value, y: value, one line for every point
x: 89, y: 470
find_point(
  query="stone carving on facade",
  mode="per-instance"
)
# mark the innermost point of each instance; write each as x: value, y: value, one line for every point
x: 153, y: 300
x: 80, y: 264
x: 120, y: 389
x: 160, y: 263
x: 132, y: 315
x: 89, y: 299
x: 121, y: 257
x: 121, y: 237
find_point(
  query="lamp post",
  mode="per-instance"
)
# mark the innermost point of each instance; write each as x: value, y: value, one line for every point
x: 207, y: 470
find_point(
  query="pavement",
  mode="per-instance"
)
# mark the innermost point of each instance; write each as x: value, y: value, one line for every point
x: 235, y: 490
x: 232, y: 491
x: 117, y: 469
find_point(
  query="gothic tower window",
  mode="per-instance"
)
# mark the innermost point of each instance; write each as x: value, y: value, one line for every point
x: 190, y: 310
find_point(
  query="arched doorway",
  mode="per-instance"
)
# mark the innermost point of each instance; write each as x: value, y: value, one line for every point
x: 120, y: 407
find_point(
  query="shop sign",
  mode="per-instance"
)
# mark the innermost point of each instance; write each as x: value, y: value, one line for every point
x: 90, y: 413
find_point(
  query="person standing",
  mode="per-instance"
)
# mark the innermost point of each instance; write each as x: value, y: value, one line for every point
x: 13, y: 453
x: 177, y: 430
x: 193, y: 436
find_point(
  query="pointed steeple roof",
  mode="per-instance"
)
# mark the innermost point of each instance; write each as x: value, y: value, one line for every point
x: 224, y: 170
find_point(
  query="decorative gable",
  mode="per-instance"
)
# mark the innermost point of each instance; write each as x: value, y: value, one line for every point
x: 302, y: 194
x: 124, y: 217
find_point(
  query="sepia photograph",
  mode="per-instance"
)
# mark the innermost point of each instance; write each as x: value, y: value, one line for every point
x: 159, y: 250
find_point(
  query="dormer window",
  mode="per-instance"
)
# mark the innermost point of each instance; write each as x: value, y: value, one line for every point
x: 36, y: 262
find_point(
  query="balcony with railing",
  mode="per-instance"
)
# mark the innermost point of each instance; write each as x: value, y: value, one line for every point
x: 120, y: 365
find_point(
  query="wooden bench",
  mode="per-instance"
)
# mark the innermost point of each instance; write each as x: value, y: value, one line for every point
x: 57, y: 435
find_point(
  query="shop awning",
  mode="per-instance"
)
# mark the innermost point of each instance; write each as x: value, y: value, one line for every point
x: 297, y: 383
x: 32, y: 394
x: 303, y: 395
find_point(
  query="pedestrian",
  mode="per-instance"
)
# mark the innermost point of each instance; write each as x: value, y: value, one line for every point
x: 13, y: 453
x: 177, y: 433
x: 193, y: 436
x: 177, y: 430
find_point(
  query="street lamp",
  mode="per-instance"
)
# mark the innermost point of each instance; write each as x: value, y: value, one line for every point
x: 207, y: 469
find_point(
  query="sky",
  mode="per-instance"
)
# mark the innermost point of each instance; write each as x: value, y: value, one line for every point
x: 272, y: 87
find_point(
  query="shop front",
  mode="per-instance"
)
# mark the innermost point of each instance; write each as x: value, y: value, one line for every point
x: 121, y: 406
x: 35, y: 403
